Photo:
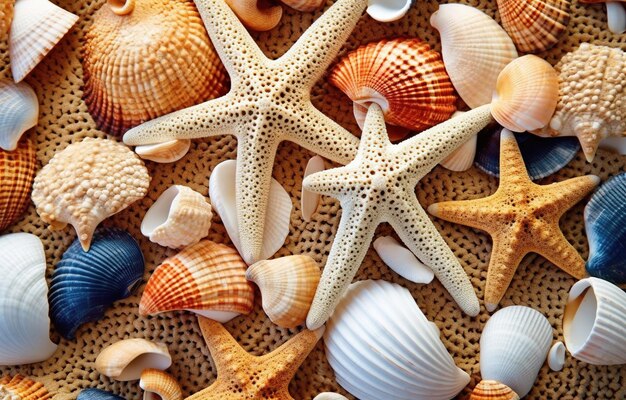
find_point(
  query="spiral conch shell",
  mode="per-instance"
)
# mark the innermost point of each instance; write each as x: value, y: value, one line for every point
x: 87, y: 183
x: 19, y: 387
x: 17, y: 172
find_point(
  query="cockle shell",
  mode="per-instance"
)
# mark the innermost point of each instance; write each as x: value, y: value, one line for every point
x: 492, y: 390
x: 97, y: 394
x: 147, y: 62
x: 6, y: 17
x: 462, y: 158
x: 258, y: 15
x: 556, y: 356
x: 381, y: 346
x: 309, y: 201
x: 592, y: 96
x: 19, y: 387
x: 287, y: 287
x: 180, y: 217
x: 475, y: 50
x: 38, y: 25
x: 388, y: 10
x: 88, y: 182
x: 19, y: 111
x: 165, y: 152
x: 85, y: 284
x: 17, y: 172
x: 207, y: 278
x: 24, y: 322
x: 534, y: 25
x: 594, y: 322
x: 402, y: 260
x: 125, y: 360
x: 405, y: 77
x: 159, y: 385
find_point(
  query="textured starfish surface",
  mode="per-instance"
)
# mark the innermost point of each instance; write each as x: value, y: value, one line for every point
x: 269, y: 102
x: 240, y: 375
x: 379, y: 186
x: 521, y: 217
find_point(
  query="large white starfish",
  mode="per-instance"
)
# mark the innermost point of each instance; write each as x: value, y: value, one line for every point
x: 269, y: 102
x: 379, y: 186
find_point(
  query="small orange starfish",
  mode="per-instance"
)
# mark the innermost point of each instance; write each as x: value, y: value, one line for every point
x: 521, y: 217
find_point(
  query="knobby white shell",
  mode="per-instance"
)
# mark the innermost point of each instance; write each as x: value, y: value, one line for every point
x: 166, y: 152
x: 388, y: 10
x: 402, y: 261
x: 19, y: 111
x: 310, y: 200
x: 127, y: 359
x: 556, y: 356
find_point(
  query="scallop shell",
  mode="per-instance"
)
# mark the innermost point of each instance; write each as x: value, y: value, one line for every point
x: 125, y: 360
x: 38, y: 25
x: 403, y: 76
x: 165, y: 152
x: 402, y: 260
x: 556, y: 356
x: 6, y: 17
x: 462, y: 158
x: 85, y: 284
x: 159, y: 385
x: 17, y: 172
x: 148, y: 62
x: 381, y: 346
x: 19, y: 111
x: 207, y: 278
x: 513, y: 346
x: 310, y: 200
x: 388, y: 10
x: 492, y: 390
x: 475, y: 50
x: 24, y: 322
x: 594, y: 322
x: 180, y: 217
x: 88, y: 182
x: 287, y: 287
x: 97, y: 394
x: 258, y: 15
x: 19, y: 387
x: 534, y: 25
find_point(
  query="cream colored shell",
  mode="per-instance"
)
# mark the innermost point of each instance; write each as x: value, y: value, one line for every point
x: 159, y: 385
x: 19, y: 387
x: 165, y: 152
x: 125, y: 360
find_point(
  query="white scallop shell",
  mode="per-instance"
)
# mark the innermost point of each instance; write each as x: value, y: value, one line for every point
x: 19, y: 111
x: 402, y: 260
x: 462, y: 158
x: 556, y: 356
x: 381, y: 346
x: 24, y: 322
x: 125, y: 360
x: 388, y: 10
x: 310, y: 200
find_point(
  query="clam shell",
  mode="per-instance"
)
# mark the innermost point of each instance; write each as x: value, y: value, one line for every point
x: 19, y: 387
x: 330, y: 396
x: 97, y: 394
x: 159, y: 385
x: 513, y: 346
x: 492, y: 390
x: 222, y: 191
x: 85, y: 284
x: 38, y: 25
x: 19, y: 111
x: 17, y: 172
x: 381, y: 346
x: 165, y: 152
x: 475, y: 50
x: 310, y: 200
x: 462, y: 158
x: 24, y: 322
x: 256, y: 17
x: 556, y: 356
x: 388, y: 10
x: 125, y: 360
x: 147, y: 63
x: 88, y: 182
x: 405, y: 77
x: 207, y: 278
x: 287, y: 287
x: 594, y: 322
x: 402, y: 260
x: 304, y: 5
x: 180, y: 217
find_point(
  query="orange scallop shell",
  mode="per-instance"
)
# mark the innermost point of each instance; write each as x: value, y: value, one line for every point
x: 493, y: 390
x: 19, y: 387
x: 17, y: 172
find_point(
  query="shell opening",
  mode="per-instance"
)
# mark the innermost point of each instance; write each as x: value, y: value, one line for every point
x: 158, y: 214
x: 121, y: 7
x: 580, y: 315
x: 142, y: 362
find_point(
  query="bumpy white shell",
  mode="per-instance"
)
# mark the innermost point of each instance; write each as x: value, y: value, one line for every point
x: 125, y: 360
x: 19, y: 111
x: 381, y: 346
x: 24, y: 322
x: 402, y: 260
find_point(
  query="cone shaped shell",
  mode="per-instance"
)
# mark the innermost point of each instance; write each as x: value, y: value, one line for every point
x: 205, y: 276
x: 17, y: 173
x: 287, y: 287
x: 381, y: 346
x: 19, y: 111
x: 97, y: 394
x: 19, y: 387
x: 165, y: 152
x: 125, y: 360
x: 159, y: 385
x: 152, y: 61
x: 405, y: 77
x: 492, y: 390
x: 475, y: 49
x: 38, y: 25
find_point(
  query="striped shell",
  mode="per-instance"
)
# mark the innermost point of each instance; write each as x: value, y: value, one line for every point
x: 159, y: 385
x: 17, y: 172
x: 493, y: 390
x: 19, y: 387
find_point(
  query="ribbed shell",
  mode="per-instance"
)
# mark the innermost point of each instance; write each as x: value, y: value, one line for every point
x: 97, y: 394
x: 159, y: 385
x: 19, y: 387
x: 85, y: 284
x: 19, y: 111
x: 17, y: 172
x: 492, y: 390
x: 155, y: 60
x: 405, y: 77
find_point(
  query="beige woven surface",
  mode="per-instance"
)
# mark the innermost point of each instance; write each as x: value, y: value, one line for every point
x: 539, y: 284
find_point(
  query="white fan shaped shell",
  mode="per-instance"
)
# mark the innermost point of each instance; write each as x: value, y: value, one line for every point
x: 381, y: 346
x: 24, y: 322
x: 402, y: 260
x: 19, y: 111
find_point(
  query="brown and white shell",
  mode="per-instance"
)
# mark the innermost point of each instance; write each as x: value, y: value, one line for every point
x: 19, y: 387
x: 159, y: 385
x: 493, y: 390
x: 17, y: 172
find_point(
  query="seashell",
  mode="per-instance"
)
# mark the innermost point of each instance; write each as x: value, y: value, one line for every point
x: 19, y: 111
x: 462, y: 158
x: 475, y: 50
x: 395, y: 133
x: 38, y: 25
x: 594, y: 322
x: 146, y: 58
x: 614, y: 144
x: 526, y: 94
x: 6, y: 17
x: 542, y: 156
x: 166, y: 152
x: 615, y: 14
x: 24, y: 322
x: 85, y: 284
x: 97, y: 394
x: 222, y: 193
x: 19, y: 387
x: 17, y: 172
x: 330, y: 396
x: 287, y: 287
x: 556, y: 356
x: 125, y: 360
x: 180, y: 217
x: 534, y: 25
x: 405, y: 77
x: 159, y: 385
x: 513, y: 346
x: 207, y: 278
x: 310, y: 200
x: 304, y: 5
x: 388, y: 10
x: 492, y: 390
x: 381, y: 346
x: 592, y: 101
x: 256, y: 15
x: 88, y: 182
x: 402, y: 261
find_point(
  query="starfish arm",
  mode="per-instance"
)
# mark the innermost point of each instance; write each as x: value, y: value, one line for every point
x: 220, y: 341
x: 567, y: 193
x: 556, y: 249
x: 374, y: 136
x: 512, y: 167
x: 329, y: 182
x: 503, y: 262
x: 474, y: 213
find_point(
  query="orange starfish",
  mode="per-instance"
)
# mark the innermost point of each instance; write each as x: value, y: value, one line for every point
x: 521, y: 217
